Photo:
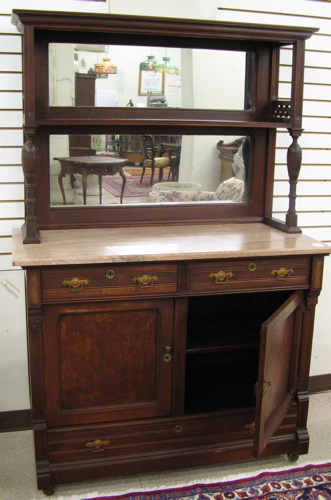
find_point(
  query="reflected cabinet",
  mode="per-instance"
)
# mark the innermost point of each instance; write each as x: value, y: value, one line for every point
x: 170, y: 316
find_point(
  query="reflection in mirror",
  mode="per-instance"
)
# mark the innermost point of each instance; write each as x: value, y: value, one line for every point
x: 108, y: 170
x: 107, y: 76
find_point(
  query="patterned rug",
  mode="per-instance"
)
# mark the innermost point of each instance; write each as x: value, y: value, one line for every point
x: 312, y: 482
x: 133, y: 188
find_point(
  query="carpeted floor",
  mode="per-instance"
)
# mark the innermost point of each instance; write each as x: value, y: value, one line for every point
x: 18, y: 482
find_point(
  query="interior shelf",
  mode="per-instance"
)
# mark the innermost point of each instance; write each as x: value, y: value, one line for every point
x: 222, y: 351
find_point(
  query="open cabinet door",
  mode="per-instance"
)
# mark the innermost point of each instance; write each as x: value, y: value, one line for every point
x: 280, y: 335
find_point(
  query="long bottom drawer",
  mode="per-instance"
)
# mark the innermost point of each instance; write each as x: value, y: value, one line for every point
x: 158, y: 435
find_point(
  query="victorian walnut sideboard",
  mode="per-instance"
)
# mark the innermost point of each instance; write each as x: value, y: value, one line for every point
x: 166, y: 335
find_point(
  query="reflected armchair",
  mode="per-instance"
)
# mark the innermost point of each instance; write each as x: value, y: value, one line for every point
x: 154, y: 157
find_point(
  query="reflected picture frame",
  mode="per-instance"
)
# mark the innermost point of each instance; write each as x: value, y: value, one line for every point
x: 150, y: 81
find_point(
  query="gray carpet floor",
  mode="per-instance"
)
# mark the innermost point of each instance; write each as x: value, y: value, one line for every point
x: 18, y: 481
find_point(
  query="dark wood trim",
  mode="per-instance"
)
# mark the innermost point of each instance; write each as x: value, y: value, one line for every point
x: 319, y: 383
x: 18, y: 420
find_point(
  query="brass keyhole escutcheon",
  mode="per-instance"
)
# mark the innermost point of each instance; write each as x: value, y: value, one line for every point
x: 267, y: 383
x: 110, y: 274
x: 167, y: 355
x: 178, y: 428
x: 252, y: 267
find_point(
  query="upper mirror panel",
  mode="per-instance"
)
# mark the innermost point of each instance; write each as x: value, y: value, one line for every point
x: 116, y: 75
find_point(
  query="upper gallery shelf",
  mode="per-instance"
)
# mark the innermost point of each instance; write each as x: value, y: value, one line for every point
x: 208, y: 73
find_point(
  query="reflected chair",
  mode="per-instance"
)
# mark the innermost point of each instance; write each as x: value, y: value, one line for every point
x: 154, y: 157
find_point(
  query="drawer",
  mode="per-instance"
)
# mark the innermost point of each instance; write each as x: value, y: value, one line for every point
x: 223, y: 275
x: 74, y: 283
x: 152, y: 436
x: 169, y: 435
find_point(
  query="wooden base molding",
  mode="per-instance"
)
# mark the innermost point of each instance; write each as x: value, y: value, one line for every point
x: 18, y: 420
x: 319, y: 383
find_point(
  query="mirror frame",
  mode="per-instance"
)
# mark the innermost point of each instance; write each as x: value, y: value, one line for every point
x: 261, y: 121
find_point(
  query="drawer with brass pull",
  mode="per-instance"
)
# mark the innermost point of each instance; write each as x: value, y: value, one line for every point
x: 222, y: 275
x: 116, y: 441
x: 74, y: 283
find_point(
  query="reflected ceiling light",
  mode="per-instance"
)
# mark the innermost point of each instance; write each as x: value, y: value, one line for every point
x: 149, y: 64
x: 166, y: 67
x: 105, y: 68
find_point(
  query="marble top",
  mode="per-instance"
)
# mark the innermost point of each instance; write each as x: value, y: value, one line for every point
x: 171, y: 243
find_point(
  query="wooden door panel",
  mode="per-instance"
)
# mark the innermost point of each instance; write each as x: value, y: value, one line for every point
x: 277, y: 369
x: 105, y: 362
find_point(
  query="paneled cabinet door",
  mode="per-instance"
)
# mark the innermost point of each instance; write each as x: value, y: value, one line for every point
x: 278, y: 365
x: 108, y: 361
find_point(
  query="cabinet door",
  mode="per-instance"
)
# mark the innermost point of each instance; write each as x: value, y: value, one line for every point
x: 108, y: 362
x: 277, y: 378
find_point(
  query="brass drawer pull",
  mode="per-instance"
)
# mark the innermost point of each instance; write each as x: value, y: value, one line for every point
x: 97, y: 445
x: 250, y: 427
x: 76, y: 284
x: 145, y: 281
x: 282, y: 273
x: 221, y: 277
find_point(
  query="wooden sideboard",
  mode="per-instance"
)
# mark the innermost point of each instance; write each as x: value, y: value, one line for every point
x: 166, y: 335
x: 182, y: 347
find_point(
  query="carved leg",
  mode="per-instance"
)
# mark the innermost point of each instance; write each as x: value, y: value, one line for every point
x: 60, y: 178
x: 122, y: 174
x: 100, y: 189
x: 84, y: 180
x: 152, y: 175
x: 142, y: 175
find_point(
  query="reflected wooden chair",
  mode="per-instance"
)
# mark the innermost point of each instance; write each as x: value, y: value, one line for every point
x: 154, y: 157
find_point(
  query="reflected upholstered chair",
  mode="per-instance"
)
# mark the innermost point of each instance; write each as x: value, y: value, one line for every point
x: 154, y: 157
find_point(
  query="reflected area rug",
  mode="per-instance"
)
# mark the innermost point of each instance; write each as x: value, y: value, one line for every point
x: 312, y: 482
x: 134, y: 188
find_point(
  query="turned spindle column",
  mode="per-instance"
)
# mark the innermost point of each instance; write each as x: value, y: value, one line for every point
x: 30, y: 170
x: 294, y: 156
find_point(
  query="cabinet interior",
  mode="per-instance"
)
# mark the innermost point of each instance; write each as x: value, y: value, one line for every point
x: 222, y: 349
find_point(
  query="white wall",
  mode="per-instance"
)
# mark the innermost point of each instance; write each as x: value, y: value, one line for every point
x: 314, y: 200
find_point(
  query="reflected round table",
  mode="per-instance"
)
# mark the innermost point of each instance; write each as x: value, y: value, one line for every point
x: 91, y: 165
